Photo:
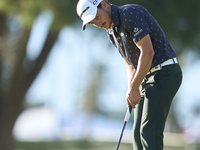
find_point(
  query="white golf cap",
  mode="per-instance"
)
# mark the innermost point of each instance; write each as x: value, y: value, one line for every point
x: 87, y: 10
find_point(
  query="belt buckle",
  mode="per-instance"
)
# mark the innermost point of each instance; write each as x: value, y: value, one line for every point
x: 158, y: 67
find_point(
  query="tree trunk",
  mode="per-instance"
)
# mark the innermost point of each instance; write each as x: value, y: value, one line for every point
x: 11, y: 102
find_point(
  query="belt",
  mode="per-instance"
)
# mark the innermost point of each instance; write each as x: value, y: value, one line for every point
x: 165, y: 63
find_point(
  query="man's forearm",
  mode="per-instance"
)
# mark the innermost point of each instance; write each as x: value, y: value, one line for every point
x: 130, y: 72
x: 143, y: 67
x: 144, y: 62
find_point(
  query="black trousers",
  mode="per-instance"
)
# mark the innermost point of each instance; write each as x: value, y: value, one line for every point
x: 157, y: 92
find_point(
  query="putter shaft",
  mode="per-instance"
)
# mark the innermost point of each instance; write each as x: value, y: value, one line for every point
x: 121, y: 135
x: 128, y: 113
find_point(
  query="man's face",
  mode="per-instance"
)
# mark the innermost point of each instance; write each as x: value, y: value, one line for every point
x: 103, y: 19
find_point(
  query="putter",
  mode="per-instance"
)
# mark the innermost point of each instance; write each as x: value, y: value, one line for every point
x: 128, y: 113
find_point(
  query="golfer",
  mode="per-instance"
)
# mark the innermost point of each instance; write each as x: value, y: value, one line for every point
x: 153, y: 70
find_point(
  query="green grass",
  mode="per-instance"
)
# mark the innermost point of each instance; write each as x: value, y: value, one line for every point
x: 78, y: 145
x: 86, y: 145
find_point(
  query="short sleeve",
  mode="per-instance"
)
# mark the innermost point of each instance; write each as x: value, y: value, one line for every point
x: 135, y: 23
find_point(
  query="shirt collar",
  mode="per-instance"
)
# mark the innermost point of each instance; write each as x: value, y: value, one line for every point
x: 115, y: 14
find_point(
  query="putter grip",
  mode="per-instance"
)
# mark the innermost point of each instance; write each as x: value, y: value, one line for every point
x: 128, y: 114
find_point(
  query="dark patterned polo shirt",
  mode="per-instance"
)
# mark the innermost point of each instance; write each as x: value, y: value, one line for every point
x: 131, y: 23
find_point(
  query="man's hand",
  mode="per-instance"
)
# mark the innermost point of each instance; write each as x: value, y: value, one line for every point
x: 133, y: 97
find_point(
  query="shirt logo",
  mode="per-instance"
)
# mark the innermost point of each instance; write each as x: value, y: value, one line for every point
x: 136, y: 29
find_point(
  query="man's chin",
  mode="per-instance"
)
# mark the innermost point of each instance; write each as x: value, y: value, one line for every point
x: 106, y: 28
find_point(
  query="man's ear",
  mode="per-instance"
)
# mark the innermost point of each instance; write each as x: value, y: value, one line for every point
x: 104, y: 5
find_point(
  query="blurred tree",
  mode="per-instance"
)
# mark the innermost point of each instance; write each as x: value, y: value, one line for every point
x: 93, y: 88
x: 17, y: 72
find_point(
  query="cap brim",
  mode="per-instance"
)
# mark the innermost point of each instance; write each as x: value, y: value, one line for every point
x: 89, y: 18
x: 83, y: 27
